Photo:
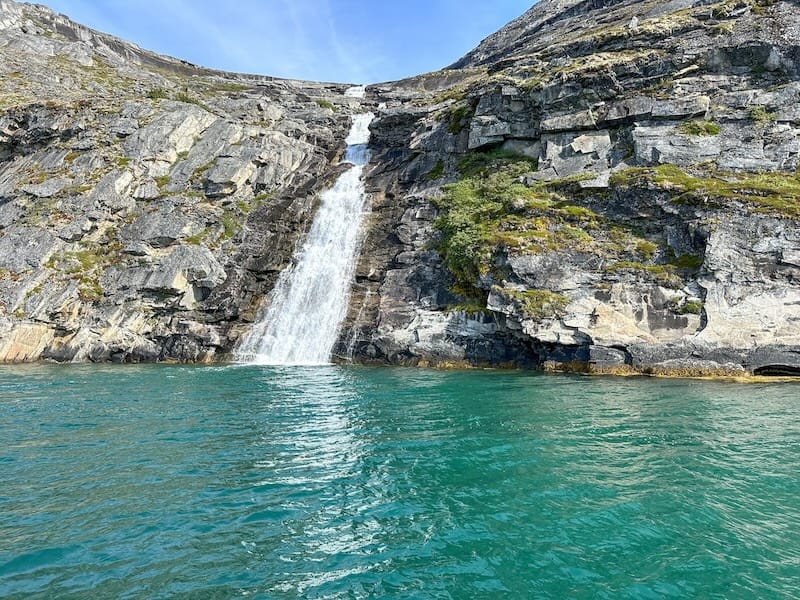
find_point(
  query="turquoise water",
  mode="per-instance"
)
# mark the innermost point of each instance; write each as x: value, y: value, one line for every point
x: 163, y: 482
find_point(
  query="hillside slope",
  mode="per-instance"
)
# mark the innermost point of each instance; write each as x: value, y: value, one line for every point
x: 146, y: 205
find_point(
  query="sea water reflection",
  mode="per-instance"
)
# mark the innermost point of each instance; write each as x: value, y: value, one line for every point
x: 331, y: 482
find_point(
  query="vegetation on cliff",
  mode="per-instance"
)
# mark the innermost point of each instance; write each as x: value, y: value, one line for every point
x: 773, y: 192
x: 493, y: 210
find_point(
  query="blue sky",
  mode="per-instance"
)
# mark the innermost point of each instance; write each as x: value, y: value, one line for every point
x: 358, y: 41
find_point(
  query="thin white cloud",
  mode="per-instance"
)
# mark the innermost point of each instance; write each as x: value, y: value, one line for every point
x: 334, y: 40
x: 349, y: 61
x: 186, y: 15
x: 320, y: 49
x: 297, y: 53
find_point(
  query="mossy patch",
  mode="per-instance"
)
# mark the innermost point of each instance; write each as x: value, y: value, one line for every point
x: 699, y: 128
x: 690, y: 307
x: 199, y: 172
x: 230, y: 87
x: 231, y: 224
x: 326, y: 105
x: 187, y: 98
x: 470, y: 308
x: 436, y: 172
x: 476, y: 163
x: 459, y: 115
x: 13, y: 99
x: 39, y: 211
x: 491, y: 212
x: 157, y: 94
x: 86, y: 267
x: 457, y: 93
x: 646, y: 249
x: 197, y: 238
x: 688, y: 262
x: 538, y: 304
x: 663, y: 275
x: 478, y: 210
x: 761, y: 116
x: 774, y: 192
x: 78, y: 189
x: 234, y: 217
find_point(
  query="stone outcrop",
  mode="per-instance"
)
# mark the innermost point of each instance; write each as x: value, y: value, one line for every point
x: 146, y: 204
x: 649, y: 222
x: 673, y: 124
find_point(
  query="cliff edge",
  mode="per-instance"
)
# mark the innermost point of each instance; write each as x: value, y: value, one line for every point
x: 146, y: 204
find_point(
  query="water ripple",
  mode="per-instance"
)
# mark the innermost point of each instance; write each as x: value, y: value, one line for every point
x: 156, y: 482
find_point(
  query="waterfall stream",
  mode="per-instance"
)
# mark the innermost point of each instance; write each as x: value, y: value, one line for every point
x: 300, y: 321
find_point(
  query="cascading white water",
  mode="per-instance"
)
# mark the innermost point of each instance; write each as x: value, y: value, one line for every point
x: 358, y: 91
x: 301, y: 322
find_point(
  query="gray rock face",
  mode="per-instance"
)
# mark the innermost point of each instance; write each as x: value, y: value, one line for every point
x: 141, y: 224
x: 132, y: 216
x: 707, y: 282
x: 160, y: 228
x: 26, y: 249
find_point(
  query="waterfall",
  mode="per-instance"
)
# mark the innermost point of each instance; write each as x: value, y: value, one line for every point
x: 301, y: 320
x: 358, y: 91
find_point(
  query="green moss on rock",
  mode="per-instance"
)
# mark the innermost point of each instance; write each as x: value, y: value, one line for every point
x: 437, y: 171
x: 699, y: 128
x: 538, y: 304
x: 490, y: 213
x: 663, y: 275
x: 774, y: 192
x: 761, y: 116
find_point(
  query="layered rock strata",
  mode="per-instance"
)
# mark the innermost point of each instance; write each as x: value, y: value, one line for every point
x: 146, y: 204
x: 657, y: 230
x: 602, y: 185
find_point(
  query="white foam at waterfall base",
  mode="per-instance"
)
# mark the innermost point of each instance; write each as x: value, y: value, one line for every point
x: 300, y: 322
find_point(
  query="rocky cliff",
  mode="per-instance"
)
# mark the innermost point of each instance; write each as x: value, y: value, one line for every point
x: 606, y: 186
x: 146, y: 204
x: 602, y: 185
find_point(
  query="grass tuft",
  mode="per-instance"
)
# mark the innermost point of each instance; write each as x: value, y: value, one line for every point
x: 699, y: 128
x: 539, y: 304
x: 761, y: 116
x: 326, y: 104
x: 774, y: 192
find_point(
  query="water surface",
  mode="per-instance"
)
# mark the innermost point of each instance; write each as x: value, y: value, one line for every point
x: 161, y: 482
